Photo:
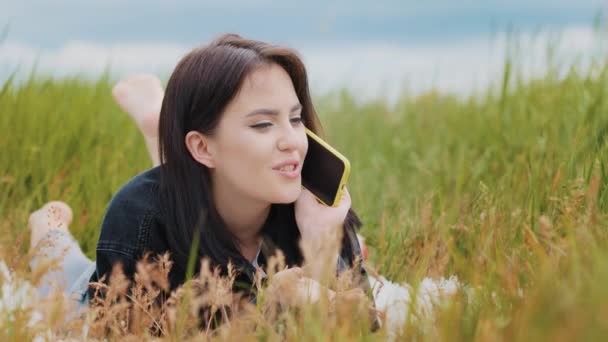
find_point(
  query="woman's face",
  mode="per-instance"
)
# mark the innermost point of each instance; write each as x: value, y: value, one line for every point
x: 260, y: 143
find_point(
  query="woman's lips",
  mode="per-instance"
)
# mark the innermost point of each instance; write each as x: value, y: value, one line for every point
x: 293, y: 174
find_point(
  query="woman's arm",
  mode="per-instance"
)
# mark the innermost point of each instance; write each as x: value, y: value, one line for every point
x: 127, y: 229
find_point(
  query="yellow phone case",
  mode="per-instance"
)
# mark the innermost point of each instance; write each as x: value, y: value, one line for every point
x: 345, y: 174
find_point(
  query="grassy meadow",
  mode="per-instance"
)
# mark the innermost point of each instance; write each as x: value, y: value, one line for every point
x: 506, y: 189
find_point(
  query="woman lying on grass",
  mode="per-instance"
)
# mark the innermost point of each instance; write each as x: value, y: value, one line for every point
x: 227, y: 149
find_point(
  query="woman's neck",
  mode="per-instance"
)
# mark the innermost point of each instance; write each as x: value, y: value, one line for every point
x: 244, y: 218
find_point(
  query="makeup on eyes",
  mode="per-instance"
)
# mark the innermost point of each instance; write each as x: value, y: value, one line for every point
x: 297, y: 120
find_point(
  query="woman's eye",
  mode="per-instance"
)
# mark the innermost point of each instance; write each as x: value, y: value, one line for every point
x: 296, y: 120
x: 262, y: 125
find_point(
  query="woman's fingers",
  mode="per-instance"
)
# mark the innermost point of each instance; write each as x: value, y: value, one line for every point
x: 345, y: 200
x: 288, y: 275
x: 307, y: 197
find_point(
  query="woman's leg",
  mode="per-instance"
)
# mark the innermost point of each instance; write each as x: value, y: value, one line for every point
x: 51, y: 241
x: 141, y: 96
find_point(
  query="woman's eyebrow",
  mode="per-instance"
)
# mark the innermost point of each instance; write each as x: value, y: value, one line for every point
x: 273, y: 112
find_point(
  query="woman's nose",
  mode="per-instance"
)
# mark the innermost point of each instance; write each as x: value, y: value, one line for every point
x: 288, y: 139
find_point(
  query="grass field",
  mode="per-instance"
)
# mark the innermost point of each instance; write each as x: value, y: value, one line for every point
x: 507, y: 189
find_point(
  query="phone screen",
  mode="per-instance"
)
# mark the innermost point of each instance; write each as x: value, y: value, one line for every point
x: 322, y: 172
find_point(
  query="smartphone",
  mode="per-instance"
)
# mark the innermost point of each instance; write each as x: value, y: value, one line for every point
x: 325, y: 171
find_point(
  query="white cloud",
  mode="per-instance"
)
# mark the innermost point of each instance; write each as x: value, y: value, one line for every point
x: 457, y: 67
x: 92, y: 59
x: 369, y: 69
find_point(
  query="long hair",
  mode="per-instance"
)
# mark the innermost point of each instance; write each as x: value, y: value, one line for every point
x: 199, y: 89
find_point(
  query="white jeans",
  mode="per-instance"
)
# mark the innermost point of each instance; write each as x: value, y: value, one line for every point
x: 74, y: 268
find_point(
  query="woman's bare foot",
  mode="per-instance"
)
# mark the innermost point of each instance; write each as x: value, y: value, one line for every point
x: 53, y: 215
x: 141, y: 96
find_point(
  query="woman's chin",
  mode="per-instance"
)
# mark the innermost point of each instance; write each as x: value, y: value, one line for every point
x: 288, y: 196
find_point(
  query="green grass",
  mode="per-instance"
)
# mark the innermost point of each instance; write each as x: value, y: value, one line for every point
x: 507, y: 189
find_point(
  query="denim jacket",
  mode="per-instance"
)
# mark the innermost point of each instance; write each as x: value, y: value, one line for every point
x: 133, y: 225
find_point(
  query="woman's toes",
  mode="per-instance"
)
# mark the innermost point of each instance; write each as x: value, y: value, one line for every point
x: 52, y: 215
x: 60, y: 211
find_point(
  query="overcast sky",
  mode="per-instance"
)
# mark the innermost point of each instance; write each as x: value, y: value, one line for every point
x: 360, y: 44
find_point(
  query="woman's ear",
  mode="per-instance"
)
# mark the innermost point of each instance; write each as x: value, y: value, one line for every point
x: 199, y: 148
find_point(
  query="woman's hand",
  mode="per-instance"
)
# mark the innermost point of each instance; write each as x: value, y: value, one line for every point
x: 316, y: 220
x: 291, y: 288
x: 321, y: 228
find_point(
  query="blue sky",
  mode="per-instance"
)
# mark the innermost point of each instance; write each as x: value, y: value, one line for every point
x: 49, y: 24
x: 67, y: 35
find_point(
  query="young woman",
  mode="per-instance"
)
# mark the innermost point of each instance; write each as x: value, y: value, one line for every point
x: 231, y: 144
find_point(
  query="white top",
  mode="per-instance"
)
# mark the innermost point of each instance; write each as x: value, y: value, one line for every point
x: 255, y: 262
